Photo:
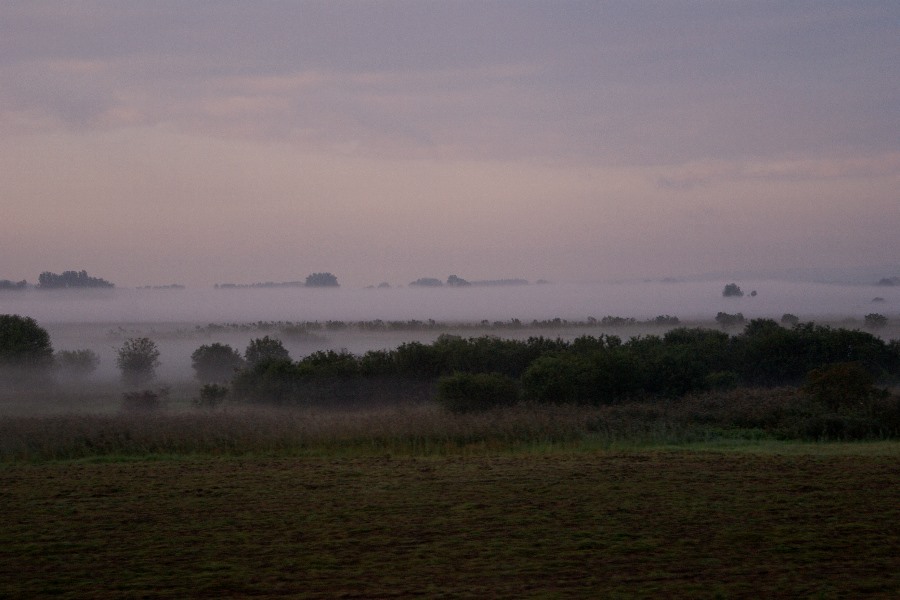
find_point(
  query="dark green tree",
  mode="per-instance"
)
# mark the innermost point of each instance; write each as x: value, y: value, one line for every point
x: 24, y: 344
x: 138, y: 359
x: 875, y: 321
x: 265, y: 349
x: 790, y: 320
x: 216, y: 362
x: 732, y: 290
x: 321, y: 280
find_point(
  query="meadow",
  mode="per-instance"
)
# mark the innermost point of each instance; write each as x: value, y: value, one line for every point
x: 724, y: 492
x: 746, y: 521
x: 409, y: 500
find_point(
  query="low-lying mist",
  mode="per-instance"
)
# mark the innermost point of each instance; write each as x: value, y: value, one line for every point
x: 687, y: 300
x: 179, y: 320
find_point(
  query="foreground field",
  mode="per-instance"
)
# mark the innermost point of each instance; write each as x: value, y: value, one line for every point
x: 820, y: 521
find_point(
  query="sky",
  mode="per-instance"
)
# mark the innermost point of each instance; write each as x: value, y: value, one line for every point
x: 200, y: 142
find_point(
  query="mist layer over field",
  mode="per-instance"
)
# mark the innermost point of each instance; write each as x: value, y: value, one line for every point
x: 692, y: 300
x: 178, y: 319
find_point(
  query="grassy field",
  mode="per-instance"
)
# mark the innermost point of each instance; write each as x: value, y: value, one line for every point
x: 757, y: 520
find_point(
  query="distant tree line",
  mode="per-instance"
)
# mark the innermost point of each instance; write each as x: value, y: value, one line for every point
x: 456, y: 281
x: 71, y: 279
x: 6, y: 284
x: 313, y: 280
x: 838, y: 368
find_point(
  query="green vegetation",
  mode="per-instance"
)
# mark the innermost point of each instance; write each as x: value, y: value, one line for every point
x: 76, y: 364
x: 592, y: 369
x: 24, y: 344
x: 265, y: 349
x: 465, y: 392
x: 216, y: 362
x: 687, y: 464
x: 402, y: 425
x: 211, y: 396
x: 137, y: 359
x: 764, y: 523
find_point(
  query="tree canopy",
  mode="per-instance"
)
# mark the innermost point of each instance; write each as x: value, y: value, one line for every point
x: 71, y: 279
x: 24, y: 343
x: 321, y: 280
x: 138, y: 359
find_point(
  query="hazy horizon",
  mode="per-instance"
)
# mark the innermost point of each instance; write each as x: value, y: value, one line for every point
x: 693, y: 300
x: 199, y: 143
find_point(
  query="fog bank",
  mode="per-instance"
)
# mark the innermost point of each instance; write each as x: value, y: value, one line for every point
x: 692, y: 300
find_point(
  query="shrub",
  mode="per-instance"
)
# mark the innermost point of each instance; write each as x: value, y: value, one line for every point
x: 144, y: 400
x: 469, y: 392
x: 211, y: 396
x: 557, y: 379
x: 77, y: 364
x: 722, y: 380
x: 843, y: 387
x: 138, y: 359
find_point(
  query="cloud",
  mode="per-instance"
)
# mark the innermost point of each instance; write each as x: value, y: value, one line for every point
x: 518, y: 138
x: 688, y: 177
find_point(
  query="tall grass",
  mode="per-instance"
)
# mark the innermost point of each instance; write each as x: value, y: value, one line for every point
x: 423, y: 428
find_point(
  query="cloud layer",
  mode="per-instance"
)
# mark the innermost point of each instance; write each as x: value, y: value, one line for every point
x: 387, y: 140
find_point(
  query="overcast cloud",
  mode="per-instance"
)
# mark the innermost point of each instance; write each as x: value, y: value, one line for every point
x: 201, y: 142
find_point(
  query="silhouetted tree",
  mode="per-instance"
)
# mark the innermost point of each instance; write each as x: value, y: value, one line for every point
x: 455, y: 281
x: 789, y: 319
x: 138, y: 359
x: 215, y: 362
x: 875, y: 321
x: 265, y: 349
x: 24, y: 343
x: 71, y: 279
x: 427, y: 282
x: 321, y: 280
x: 728, y: 320
x: 732, y: 290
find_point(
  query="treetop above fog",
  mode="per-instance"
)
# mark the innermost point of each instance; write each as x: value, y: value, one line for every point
x: 71, y: 279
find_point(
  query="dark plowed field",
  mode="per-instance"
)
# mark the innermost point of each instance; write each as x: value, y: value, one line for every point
x: 642, y: 524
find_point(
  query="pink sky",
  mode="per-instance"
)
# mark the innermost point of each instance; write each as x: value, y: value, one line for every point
x: 196, y: 142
